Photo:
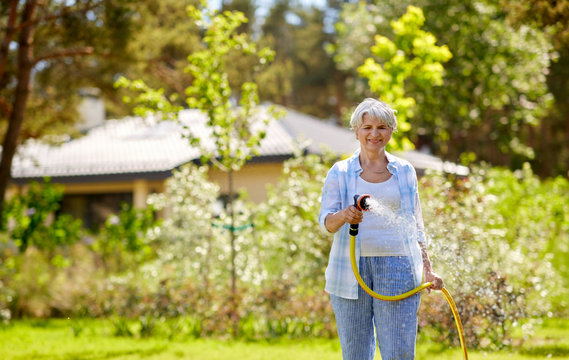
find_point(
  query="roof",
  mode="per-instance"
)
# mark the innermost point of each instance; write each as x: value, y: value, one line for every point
x: 138, y: 147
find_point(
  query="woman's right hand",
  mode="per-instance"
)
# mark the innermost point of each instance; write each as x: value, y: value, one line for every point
x: 352, y: 215
x: 349, y: 215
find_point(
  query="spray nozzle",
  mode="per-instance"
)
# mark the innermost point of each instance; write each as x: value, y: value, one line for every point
x: 361, y: 202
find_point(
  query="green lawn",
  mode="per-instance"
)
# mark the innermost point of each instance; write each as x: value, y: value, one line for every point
x: 55, y: 339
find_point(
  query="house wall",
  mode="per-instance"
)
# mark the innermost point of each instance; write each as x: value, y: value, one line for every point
x: 253, y: 177
x: 139, y: 188
x: 94, y: 202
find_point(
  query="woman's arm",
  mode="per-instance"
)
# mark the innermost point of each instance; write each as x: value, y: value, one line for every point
x: 430, y: 276
x: 332, y: 217
x: 334, y: 221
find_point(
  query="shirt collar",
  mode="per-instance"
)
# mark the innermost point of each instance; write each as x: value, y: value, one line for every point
x: 392, y: 164
x: 357, y: 167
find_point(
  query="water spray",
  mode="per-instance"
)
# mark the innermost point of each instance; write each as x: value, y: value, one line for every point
x: 361, y: 202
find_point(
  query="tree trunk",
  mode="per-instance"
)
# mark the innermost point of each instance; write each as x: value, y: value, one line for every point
x: 16, y: 118
x: 5, y: 46
x: 234, y: 298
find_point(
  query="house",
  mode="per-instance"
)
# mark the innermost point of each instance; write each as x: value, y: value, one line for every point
x: 125, y: 160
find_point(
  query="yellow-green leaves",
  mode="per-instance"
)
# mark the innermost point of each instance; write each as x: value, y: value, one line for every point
x: 237, y: 132
x: 148, y: 100
x: 412, y: 58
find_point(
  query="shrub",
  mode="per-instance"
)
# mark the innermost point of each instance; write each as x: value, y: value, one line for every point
x: 492, y: 234
x: 34, y: 246
x: 30, y: 219
x: 126, y: 238
x: 495, y: 236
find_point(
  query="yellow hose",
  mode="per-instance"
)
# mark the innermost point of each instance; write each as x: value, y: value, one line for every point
x: 407, y: 294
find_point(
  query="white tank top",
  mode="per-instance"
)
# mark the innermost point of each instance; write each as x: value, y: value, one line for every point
x: 380, y: 232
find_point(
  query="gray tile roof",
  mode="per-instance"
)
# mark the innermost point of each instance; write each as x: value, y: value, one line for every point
x: 135, y: 145
x: 316, y: 132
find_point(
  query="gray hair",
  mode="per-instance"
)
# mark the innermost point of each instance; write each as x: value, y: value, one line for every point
x: 376, y: 109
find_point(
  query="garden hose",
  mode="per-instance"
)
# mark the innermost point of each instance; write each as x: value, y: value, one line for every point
x: 360, y: 203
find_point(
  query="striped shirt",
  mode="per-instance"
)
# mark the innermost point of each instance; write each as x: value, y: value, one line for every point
x: 338, y: 193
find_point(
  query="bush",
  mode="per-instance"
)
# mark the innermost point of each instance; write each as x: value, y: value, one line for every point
x: 190, y: 277
x: 126, y: 238
x: 30, y: 219
x: 492, y: 235
x: 495, y: 236
x: 34, y: 247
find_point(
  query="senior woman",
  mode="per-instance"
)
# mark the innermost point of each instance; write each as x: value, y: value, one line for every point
x: 390, y: 250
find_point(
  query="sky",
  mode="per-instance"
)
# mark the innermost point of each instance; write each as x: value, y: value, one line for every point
x: 265, y: 5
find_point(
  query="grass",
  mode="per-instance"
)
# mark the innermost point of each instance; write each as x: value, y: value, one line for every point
x: 93, y: 339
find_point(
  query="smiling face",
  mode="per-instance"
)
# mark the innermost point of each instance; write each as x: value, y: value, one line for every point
x: 373, y: 134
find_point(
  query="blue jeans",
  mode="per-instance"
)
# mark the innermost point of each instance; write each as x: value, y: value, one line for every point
x: 395, y: 321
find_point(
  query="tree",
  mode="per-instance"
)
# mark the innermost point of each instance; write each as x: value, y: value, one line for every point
x: 44, y: 42
x: 494, y: 89
x: 247, y: 8
x: 549, y: 139
x: 411, y: 60
x: 161, y: 38
x: 303, y: 74
x: 355, y: 34
x: 236, y: 123
x: 68, y: 46
x: 33, y: 220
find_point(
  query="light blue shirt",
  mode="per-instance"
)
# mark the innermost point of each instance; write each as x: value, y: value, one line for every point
x: 338, y: 193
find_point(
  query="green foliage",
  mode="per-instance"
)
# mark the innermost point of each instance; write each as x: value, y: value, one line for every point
x: 494, y: 90
x: 552, y: 15
x: 234, y: 123
x: 121, y: 328
x: 69, y: 38
x: 49, y: 283
x: 189, y: 276
x: 127, y: 236
x: 235, y: 130
x: 294, y: 251
x: 193, y: 256
x: 148, y: 100
x: 190, y: 247
x: 30, y: 219
x: 496, y: 86
x: 496, y: 236
x: 552, y: 154
x: 303, y: 76
x: 128, y: 228
x: 411, y: 59
x: 161, y: 38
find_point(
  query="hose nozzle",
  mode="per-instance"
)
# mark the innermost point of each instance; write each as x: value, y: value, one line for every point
x: 361, y: 202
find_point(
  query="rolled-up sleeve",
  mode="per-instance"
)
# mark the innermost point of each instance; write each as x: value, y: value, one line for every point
x: 331, y: 200
x: 417, y: 212
x: 419, y: 220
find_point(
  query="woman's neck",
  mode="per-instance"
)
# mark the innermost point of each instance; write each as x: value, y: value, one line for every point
x: 373, y: 157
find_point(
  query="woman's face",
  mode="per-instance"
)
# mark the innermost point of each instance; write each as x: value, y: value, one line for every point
x: 373, y: 134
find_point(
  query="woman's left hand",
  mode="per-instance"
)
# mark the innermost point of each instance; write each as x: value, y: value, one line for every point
x: 438, y: 283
